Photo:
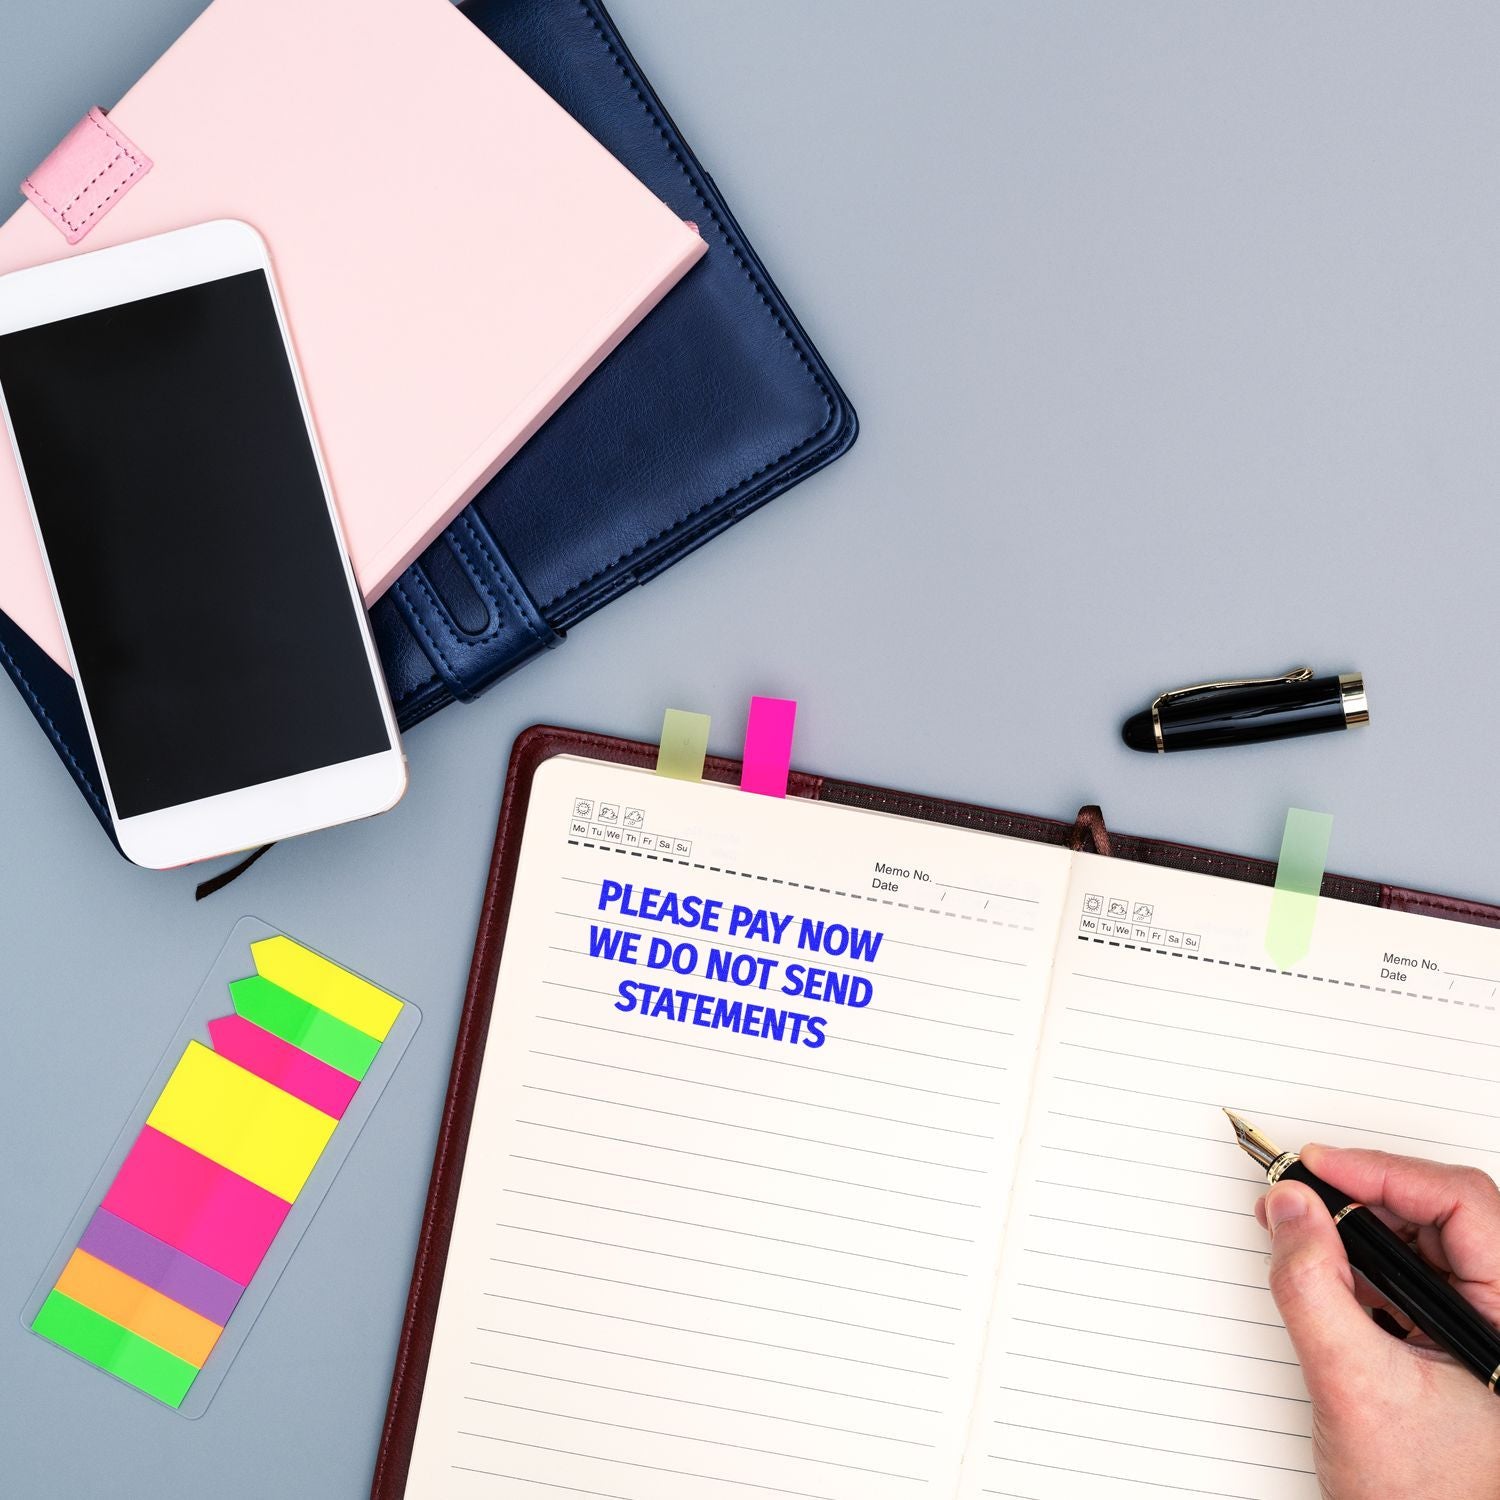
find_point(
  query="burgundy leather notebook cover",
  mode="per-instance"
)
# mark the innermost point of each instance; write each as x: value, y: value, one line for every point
x: 541, y: 743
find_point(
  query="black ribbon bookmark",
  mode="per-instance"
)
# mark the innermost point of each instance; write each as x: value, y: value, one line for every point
x: 229, y: 876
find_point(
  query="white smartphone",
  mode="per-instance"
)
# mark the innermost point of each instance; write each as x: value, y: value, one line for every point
x: 232, y: 690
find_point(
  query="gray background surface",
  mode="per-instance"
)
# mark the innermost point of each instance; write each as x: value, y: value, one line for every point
x: 1173, y: 332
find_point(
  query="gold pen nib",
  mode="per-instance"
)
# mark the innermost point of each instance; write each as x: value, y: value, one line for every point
x: 1252, y: 1142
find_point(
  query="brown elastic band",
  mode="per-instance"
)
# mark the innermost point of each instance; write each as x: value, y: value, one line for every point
x: 1089, y: 830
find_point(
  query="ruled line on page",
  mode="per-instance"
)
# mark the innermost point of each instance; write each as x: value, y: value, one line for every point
x: 673, y: 1291
x: 590, y: 1312
x: 774, y: 1062
x: 1233, y: 1390
x: 1088, y: 1437
x: 1131, y: 1338
x: 636, y: 1213
x: 1282, y: 1045
x: 678, y: 1364
x: 1249, y: 1178
x: 1281, y: 1010
x: 740, y: 1411
x: 983, y: 958
x: 704, y: 1083
x: 786, y: 1135
x: 655, y: 1468
x: 993, y: 895
x: 713, y: 1442
x: 1322, y: 1086
x: 1280, y: 1115
x: 907, y: 1015
x: 721, y: 1265
x: 1151, y: 1234
x: 734, y: 1161
x: 1119, y: 1265
x: 745, y: 1198
x: 1182, y: 1135
x: 545, y: 1484
x: 1154, y: 1484
x: 1141, y: 1411
x: 966, y: 1062
x: 1187, y: 1312
x: 1208, y: 1208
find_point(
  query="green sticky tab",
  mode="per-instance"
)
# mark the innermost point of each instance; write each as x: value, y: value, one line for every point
x: 684, y: 744
x: 291, y: 1018
x: 104, y: 1344
x: 1299, y: 878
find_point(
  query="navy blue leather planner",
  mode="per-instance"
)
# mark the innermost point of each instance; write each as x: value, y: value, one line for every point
x: 715, y: 404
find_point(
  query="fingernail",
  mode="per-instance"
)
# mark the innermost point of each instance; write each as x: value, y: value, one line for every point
x: 1283, y: 1205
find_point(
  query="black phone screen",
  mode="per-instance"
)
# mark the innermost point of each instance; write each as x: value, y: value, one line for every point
x: 183, y: 517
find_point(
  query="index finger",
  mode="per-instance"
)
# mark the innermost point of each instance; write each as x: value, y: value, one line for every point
x: 1462, y: 1203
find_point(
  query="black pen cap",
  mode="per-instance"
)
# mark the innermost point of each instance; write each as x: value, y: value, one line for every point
x: 1249, y: 711
x: 1139, y: 732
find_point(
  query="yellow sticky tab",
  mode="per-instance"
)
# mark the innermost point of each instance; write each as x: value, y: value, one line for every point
x: 346, y: 996
x: 218, y: 1109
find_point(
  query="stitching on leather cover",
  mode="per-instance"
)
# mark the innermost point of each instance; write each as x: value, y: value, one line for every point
x: 697, y: 511
x: 518, y: 607
x: 53, y: 732
x: 416, y: 619
x: 486, y: 594
x: 138, y: 168
x: 631, y: 80
x: 521, y: 607
x: 1402, y: 899
x: 420, y: 687
x: 526, y: 612
x: 61, y: 210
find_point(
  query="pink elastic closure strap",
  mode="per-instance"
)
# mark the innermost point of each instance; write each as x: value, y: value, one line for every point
x: 88, y: 173
x: 768, y: 746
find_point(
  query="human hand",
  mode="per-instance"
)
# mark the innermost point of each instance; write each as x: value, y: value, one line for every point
x: 1392, y: 1419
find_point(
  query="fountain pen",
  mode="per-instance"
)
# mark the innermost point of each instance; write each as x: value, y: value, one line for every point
x: 1388, y: 1263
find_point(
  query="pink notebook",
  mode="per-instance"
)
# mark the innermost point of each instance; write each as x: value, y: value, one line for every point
x: 455, y: 253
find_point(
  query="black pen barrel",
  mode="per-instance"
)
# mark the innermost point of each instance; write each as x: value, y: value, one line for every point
x: 1407, y: 1282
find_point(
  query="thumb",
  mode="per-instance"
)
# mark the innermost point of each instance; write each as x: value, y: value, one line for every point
x: 1339, y: 1347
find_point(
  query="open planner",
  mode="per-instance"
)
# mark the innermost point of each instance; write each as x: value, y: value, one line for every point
x: 859, y: 1146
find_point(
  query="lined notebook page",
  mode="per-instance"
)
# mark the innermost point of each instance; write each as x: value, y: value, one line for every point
x: 697, y: 1262
x: 1137, y: 1353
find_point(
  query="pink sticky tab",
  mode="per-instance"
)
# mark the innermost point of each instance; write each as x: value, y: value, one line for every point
x: 195, y: 1205
x: 88, y: 173
x: 768, y: 746
x: 288, y: 1067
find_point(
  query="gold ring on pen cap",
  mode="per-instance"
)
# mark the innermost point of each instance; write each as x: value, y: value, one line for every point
x: 1356, y: 703
x: 1282, y: 1162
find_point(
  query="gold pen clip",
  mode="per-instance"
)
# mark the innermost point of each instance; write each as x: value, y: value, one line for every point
x: 1292, y: 674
